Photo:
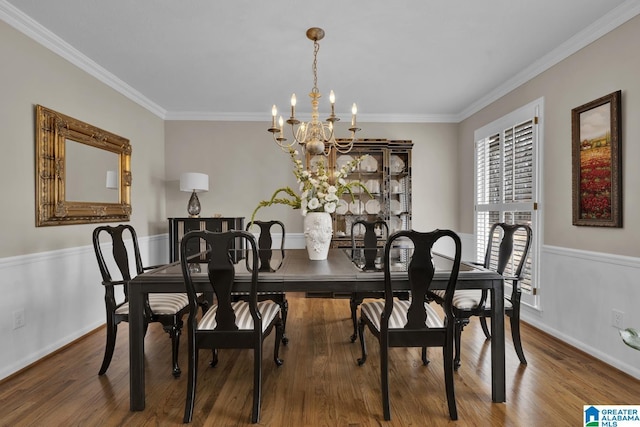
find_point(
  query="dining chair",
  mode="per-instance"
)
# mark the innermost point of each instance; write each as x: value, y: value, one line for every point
x: 166, y: 309
x: 229, y: 323
x: 266, y: 264
x: 364, y: 253
x: 413, y: 323
x: 507, y: 251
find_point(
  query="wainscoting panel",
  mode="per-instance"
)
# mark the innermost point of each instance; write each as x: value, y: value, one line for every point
x: 62, y: 298
x: 578, y: 291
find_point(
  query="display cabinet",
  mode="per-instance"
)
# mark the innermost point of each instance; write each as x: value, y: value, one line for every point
x: 178, y: 227
x: 386, y: 173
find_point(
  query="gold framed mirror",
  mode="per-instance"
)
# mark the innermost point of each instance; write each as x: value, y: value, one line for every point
x: 83, y: 173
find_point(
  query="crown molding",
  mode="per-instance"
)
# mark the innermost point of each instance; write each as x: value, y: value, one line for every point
x: 260, y: 117
x: 602, y: 26
x: 31, y: 28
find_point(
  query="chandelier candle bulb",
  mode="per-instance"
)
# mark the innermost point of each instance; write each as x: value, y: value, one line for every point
x: 354, y: 111
x: 293, y: 106
x: 274, y: 113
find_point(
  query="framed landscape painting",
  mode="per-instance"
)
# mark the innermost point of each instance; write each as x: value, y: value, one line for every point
x: 597, y: 162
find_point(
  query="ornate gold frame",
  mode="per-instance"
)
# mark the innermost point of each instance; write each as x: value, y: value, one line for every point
x: 53, y: 129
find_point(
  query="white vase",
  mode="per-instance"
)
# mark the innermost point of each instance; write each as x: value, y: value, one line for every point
x: 318, y: 229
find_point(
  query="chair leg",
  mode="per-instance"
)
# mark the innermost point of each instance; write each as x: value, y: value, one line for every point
x: 425, y: 359
x: 458, y: 325
x: 384, y: 377
x: 214, y: 357
x: 515, y: 335
x: 363, y: 346
x: 279, y: 338
x: 174, y: 334
x: 284, y: 310
x: 191, y: 382
x: 354, y: 302
x: 485, y: 328
x: 112, y: 331
x: 447, y: 353
x: 257, y: 381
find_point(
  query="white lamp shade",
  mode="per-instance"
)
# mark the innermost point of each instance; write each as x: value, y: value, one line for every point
x: 193, y: 181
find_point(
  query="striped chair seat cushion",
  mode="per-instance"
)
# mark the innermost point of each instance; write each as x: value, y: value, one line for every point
x: 161, y: 304
x: 373, y: 310
x: 468, y: 299
x: 268, y: 309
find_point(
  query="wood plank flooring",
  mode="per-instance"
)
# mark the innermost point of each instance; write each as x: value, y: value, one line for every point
x: 319, y: 384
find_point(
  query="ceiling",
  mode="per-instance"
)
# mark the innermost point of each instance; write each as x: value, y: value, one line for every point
x: 412, y: 60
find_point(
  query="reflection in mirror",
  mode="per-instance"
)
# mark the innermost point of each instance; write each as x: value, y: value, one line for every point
x: 88, y: 172
x: 83, y: 172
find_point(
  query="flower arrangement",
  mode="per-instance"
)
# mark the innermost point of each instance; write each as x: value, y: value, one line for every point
x: 318, y: 192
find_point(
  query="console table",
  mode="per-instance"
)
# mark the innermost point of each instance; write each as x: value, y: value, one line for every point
x: 178, y: 227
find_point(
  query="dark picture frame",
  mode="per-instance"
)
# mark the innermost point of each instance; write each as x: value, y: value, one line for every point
x: 597, y: 162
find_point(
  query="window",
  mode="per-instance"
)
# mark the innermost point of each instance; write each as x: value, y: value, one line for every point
x: 507, y: 153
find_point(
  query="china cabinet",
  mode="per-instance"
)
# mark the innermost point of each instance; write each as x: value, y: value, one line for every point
x: 385, y: 171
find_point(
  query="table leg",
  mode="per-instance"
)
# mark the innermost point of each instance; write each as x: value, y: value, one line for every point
x: 498, y: 387
x: 136, y: 348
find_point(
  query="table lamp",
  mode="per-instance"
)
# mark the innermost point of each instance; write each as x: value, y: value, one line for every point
x: 196, y: 183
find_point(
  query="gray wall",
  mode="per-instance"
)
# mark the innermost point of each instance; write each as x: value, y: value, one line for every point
x: 51, y: 272
x: 245, y: 166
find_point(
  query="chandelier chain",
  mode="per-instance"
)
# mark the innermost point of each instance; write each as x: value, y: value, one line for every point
x: 316, y: 48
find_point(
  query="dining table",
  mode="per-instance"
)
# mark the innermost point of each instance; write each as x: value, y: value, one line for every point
x: 297, y: 273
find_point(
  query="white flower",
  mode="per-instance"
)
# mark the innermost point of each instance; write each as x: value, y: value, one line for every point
x: 331, y: 197
x: 313, y: 203
x: 330, y: 207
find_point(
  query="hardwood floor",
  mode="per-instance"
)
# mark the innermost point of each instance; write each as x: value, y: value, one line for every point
x: 319, y: 384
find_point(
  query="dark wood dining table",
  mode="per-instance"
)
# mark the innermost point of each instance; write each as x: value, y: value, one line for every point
x: 299, y: 274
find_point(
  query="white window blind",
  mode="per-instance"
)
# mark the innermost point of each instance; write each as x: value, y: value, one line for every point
x: 506, y: 184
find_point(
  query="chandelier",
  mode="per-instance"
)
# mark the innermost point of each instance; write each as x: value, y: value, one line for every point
x: 314, y: 136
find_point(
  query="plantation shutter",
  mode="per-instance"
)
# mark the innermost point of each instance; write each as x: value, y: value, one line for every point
x: 506, y: 186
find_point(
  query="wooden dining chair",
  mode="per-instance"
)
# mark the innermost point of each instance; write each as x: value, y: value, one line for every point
x: 364, y: 252
x: 266, y: 263
x: 166, y: 309
x: 227, y: 324
x: 413, y: 323
x: 507, y: 251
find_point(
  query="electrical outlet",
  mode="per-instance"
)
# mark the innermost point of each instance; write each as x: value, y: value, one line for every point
x: 617, y: 318
x: 18, y: 318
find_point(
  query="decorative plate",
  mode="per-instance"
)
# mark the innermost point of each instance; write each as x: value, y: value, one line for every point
x: 356, y: 207
x: 373, y: 185
x: 342, y: 207
x: 395, y: 187
x: 395, y: 207
x: 372, y: 207
x: 369, y: 164
x: 396, y: 164
x: 343, y: 160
